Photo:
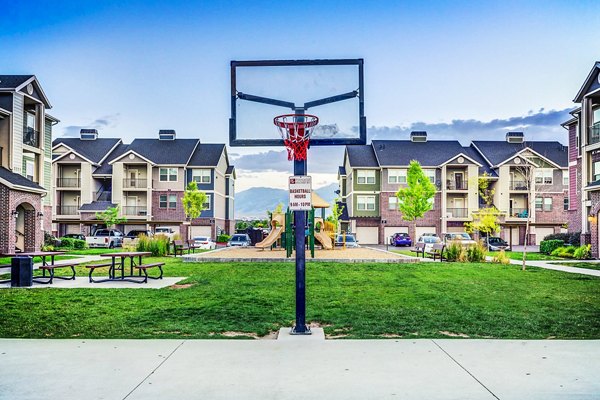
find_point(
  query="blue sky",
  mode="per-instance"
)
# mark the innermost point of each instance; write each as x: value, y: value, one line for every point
x: 131, y: 68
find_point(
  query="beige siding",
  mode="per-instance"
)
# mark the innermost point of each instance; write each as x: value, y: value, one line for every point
x: 17, y: 135
x: 158, y: 185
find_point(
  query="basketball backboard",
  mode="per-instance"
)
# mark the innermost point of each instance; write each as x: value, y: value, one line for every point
x: 330, y: 89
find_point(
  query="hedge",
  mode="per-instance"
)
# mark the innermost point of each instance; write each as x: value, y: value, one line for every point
x: 548, y: 246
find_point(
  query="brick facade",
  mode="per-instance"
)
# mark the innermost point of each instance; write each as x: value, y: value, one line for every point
x: 30, y: 204
x: 394, y: 217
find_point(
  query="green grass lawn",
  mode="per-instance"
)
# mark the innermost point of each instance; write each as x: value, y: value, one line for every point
x: 588, y: 265
x: 425, y: 300
x: 518, y: 255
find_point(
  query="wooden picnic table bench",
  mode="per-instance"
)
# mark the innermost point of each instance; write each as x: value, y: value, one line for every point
x: 145, y: 267
x: 437, y: 250
x: 92, y: 267
x: 180, y: 246
x: 193, y: 246
x: 52, y: 267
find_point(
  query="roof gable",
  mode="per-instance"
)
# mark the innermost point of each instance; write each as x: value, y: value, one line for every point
x: 93, y: 150
x: 165, y: 152
x: 590, y: 84
x: 499, y: 152
x: 206, y: 155
x: 361, y: 156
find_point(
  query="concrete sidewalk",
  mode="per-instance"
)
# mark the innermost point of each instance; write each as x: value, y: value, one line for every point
x: 299, y: 369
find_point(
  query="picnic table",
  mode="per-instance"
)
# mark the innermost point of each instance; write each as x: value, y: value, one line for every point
x: 42, y: 254
x: 46, y: 266
x: 115, y: 266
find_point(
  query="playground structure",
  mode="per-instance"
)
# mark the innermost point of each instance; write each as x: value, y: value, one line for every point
x: 282, y: 228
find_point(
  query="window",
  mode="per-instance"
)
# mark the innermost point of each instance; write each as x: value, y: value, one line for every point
x: 539, y: 203
x: 168, y: 174
x: 596, y: 171
x: 29, y: 169
x: 162, y: 201
x: 566, y: 203
x: 397, y: 176
x: 430, y: 173
x: 172, y: 201
x: 547, y: 203
x: 365, y: 203
x: 365, y: 176
x: 30, y: 121
x: 206, y: 205
x: 393, y: 203
x: 543, y: 176
x: 566, y: 177
x: 201, y: 175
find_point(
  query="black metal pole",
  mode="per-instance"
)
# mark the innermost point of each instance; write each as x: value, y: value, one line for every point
x: 300, y: 222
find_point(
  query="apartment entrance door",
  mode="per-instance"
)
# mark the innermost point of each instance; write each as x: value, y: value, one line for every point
x: 459, y: 208
x: 132, y: 176
x: 458, y: 180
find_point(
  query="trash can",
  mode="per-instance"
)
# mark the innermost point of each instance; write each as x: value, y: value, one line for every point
x: 21, y: 271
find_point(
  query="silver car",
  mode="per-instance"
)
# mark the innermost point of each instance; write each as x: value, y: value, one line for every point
x: 239, y: 239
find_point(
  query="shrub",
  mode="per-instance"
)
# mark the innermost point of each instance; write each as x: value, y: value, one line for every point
x: 176, y: 236
x: 223, y: 237
x: 49, y: 239
x: 583, y: 252
x: 548, y: 246
x: 158, y: 245
x: 67, y: 243
x: 455, y: 252
x: 477, y: 252
x: 47, y: 247
x: 566, y: 252
x: 79, y: 244
x: 569, y: 238
x: 501, y: 258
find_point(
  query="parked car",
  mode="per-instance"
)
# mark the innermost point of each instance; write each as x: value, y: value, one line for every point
x: 165, y: 230
x: 204, y: 242
x: 110, y: 238
x: 400, y: 239
x: 77, y: 236
x: 134, y: 234
x: 496, y: 244
x: 463, y: 238
x: 429, y: 241
x: 239, y: 239
x: 349, y: 238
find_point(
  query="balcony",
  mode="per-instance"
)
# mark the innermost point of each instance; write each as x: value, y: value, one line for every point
x: 68, y: 182
x: 457, y: 212
x: 31, y: 137
x: 135, y: 183
x: 451, y: 185
x: 135, y: 211
x: 67, y: 210
x: 518, y: 185
x: 518, y: 213
x: 594, y: 134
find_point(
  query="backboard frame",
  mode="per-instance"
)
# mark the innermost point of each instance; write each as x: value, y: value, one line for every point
x: 234, y: 141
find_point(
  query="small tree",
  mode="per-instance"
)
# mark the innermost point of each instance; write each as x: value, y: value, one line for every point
x: 486, y: 219
x: 110, y: 217
x: 193, y: 201
x: 336, y: 213
x: 415, y: 199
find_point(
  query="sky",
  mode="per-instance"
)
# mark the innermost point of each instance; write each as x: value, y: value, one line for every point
x: 461, y: 70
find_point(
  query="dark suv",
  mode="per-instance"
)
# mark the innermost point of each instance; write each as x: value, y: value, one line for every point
x: 496, y: 244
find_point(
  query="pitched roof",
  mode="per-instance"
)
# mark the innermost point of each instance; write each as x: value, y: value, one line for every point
x: 590, y: 83
x: 402, y: 152
x: 93, y: 150
x: 106, y: 168
x: 485, y: 167
x: 499, y: 151
x: 341, y: 170
x: 164, y: 152
x: 230, y: 170
x: 96, y: 206
x: 207, y: 155
x: 13, y: 81
x: 361, y: 156
x: 18, y: 180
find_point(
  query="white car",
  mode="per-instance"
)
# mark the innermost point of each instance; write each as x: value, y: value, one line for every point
x: 463, y: 238
x: 429, y: 241
x: 204, y: 242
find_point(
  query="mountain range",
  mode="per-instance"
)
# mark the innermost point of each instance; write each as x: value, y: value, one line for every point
x: 254, y: 202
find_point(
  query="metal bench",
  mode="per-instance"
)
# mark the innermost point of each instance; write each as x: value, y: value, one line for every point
x: 180, y: 246
x: 145, y: 267
x: 192, y: 245
x: 437, y: 250
x: 51, y: 268
x: 420, y: 248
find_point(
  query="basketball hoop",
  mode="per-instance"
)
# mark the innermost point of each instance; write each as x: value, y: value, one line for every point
x: 295, y: 129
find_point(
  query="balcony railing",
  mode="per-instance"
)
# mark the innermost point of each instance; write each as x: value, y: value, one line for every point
x: 518, y: 213
x: 518, y: 185
x: 457, y: 212
x: 135, y: 211
x: 31, y: 137
x: 594, y: 135
x: 68, y: 182
x: 67, y: 210
x: 451, y: 185
x: 135, y: 183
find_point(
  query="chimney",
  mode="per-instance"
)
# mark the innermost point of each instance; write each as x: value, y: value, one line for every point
x: 418, y: 136
x: 88, y: 134
x: 515, y: 137
x: 166, y: 134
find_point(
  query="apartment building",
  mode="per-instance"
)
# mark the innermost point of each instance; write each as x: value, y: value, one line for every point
x: 584, y: 161
x: 372, y: 174
x: 25, y: 163
x: 146, y: 179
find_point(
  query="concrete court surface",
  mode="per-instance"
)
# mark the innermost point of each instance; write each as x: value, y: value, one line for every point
x: 299, y: 369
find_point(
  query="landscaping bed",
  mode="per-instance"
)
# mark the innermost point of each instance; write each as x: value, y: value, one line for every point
x: 422, y: 300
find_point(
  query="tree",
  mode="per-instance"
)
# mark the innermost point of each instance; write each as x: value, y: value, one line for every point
x: 110, y: 217
x: 485, y: 220
x: 336, y: 213
x: 415, y: 199
x: 193, y: 201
